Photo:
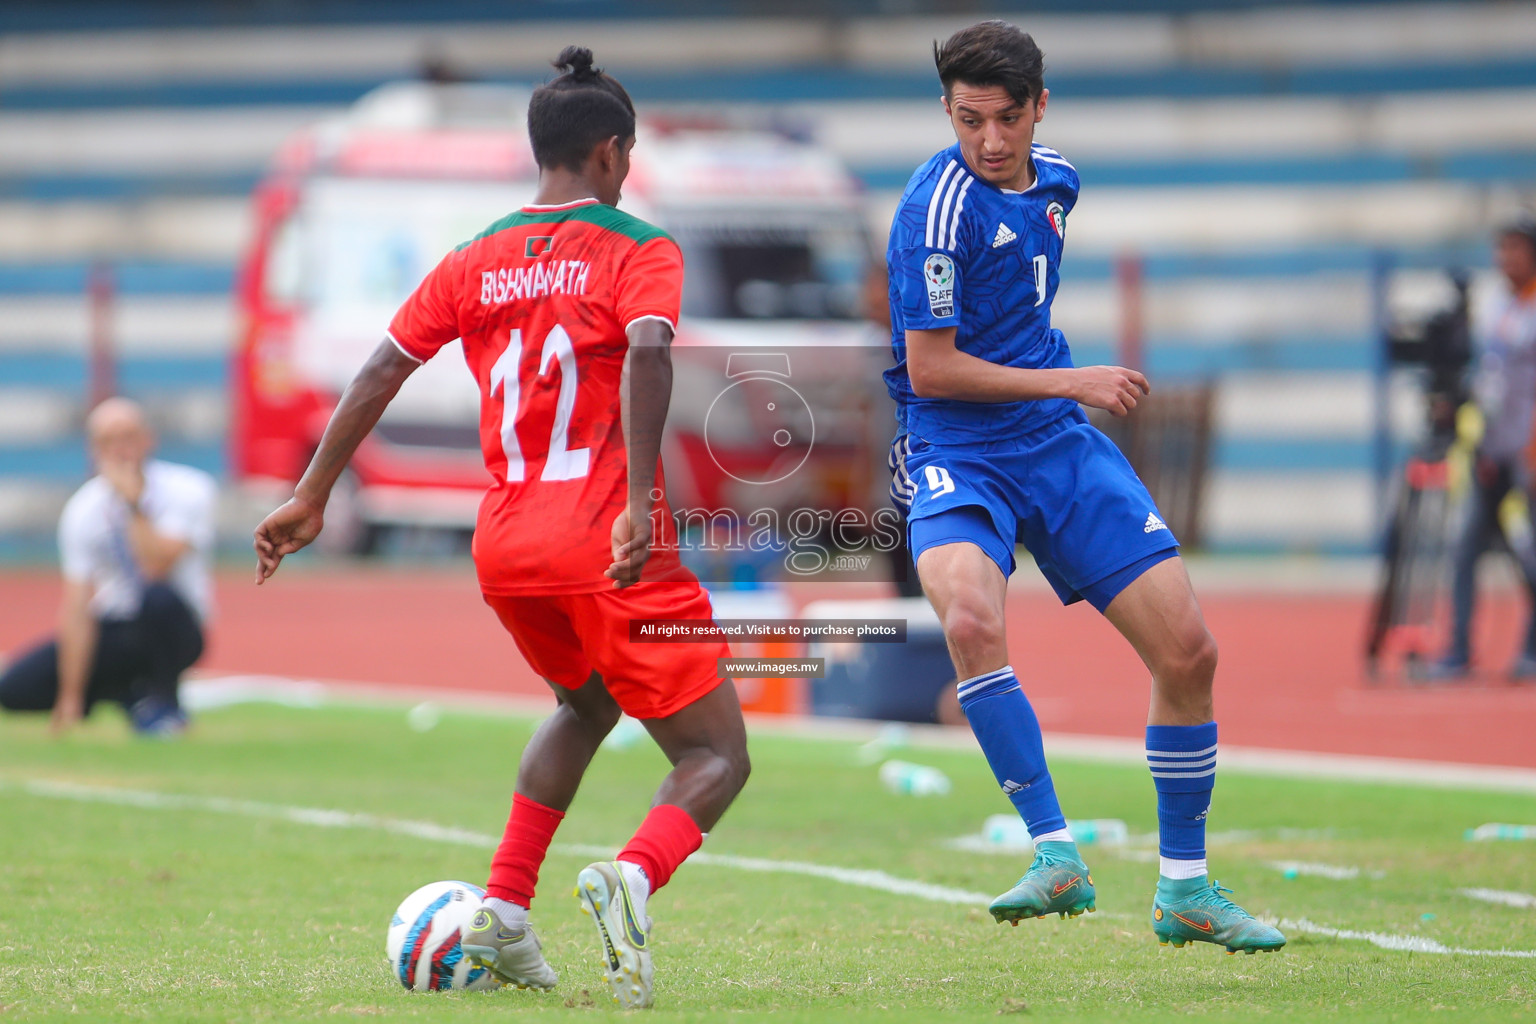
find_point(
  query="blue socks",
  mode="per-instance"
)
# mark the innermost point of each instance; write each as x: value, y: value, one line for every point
x: 1182, y: 759
x: 1183, y: 763
x: 1009, y: 733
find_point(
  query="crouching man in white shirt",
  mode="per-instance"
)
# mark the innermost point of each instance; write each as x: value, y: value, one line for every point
x: 134, y: 543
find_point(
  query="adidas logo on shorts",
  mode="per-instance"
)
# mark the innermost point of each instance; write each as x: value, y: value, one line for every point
x: 1153, y: 524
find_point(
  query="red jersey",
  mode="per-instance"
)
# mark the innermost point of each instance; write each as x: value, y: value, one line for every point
x: 543, y: 299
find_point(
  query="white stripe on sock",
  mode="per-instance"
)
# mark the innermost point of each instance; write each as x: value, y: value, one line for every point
x: 1180, y: 869
x: 982, y: 684
x: 1183, y: 753
x: 987, y: 689
x: 1182, y: 765
x: 994, y: 674
x: 1059, y: 835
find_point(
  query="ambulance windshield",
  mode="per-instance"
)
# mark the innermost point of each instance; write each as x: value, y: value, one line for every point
x: 771, y: 263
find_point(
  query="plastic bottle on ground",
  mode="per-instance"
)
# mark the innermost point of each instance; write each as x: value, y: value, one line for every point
x: 892, y: 736
x: 1097, y: 830
x: 914, y: 779
x: 1498, y: 830
x: 1009, y: 830
x: 1006, y: 830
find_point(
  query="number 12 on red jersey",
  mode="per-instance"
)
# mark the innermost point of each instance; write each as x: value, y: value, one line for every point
x: 562, y: 463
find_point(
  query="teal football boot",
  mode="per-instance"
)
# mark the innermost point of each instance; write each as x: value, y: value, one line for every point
x: 1057, y: 882
x: 1205, y: 915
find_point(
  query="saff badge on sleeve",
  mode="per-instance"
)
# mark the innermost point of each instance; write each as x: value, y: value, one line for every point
x: 939, y: 276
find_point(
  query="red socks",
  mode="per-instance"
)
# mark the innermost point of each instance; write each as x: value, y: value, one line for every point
x: 665, y: 840
x: 515, y: 868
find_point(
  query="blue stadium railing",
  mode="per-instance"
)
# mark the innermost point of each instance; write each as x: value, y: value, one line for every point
x: 1471, y: 166
x: 1168, y: 357
x: 822, y: 82
x: 73, y: 15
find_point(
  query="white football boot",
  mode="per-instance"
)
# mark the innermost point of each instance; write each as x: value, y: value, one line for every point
x: 514, y: 955
x: 623, y: 929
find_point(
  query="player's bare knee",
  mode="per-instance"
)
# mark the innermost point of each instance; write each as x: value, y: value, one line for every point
x: 741, y: 768
x: 721, y: 772
x: 1190, y: 664
x: 732, y: 764
x: 1200, y: 661
x: 1208, y: 655
x: 972, y: 628
x: 593, y: 707
x: 603, y: 716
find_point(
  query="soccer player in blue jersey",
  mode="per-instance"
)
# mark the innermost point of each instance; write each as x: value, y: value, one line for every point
x: 994, y: 444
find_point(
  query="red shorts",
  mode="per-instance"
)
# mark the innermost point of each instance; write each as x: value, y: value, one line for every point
x: 566, y: 637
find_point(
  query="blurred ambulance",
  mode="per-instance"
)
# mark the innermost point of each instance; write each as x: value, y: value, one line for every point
x: 356, y: 210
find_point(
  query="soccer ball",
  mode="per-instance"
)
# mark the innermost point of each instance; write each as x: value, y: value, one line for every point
x: 424, y: 936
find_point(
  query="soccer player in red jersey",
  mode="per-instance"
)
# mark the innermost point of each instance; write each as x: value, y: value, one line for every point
x: 566, y: 309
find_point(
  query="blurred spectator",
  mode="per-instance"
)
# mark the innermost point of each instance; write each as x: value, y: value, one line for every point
x: 1504, y: 387
x: 437, y: 68
x: 134, y: 543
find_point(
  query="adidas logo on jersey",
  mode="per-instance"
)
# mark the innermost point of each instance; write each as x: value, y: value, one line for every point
x: 1003, y: 237
x: 1153, y: 524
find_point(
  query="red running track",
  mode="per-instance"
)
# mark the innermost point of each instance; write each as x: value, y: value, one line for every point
x: 1289, y: 679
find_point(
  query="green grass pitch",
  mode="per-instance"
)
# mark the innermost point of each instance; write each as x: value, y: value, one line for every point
x: 123, y: 913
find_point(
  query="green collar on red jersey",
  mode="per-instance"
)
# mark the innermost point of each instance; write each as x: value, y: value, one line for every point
x: 606, y: 217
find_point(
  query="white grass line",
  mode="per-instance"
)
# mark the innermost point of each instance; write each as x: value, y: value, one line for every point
x: 227, y: 691
x: 324, y: 818
x: 1337, y: 872
x: 868, y: 879
x: 1523, y: 900
x: 1298, y: 764
x: 1134, y: 847
x: 1258, y: 835
x: 1400, y: 943
x: 864, y: 878
x: 224, y: 690
x: 150, y: 800
x: 987, y: 847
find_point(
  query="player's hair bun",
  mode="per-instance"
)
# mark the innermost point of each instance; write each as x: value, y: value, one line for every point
x: 576, y: 61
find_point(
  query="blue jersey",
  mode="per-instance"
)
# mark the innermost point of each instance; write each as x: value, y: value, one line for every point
x: 966, y: 254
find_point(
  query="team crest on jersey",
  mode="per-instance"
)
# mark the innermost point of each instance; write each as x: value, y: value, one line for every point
x: 1058, y: 218
x: 939, y: 275
x: 537, y: 245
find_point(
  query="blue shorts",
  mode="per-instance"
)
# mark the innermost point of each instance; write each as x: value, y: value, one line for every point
x: 1063, y: 489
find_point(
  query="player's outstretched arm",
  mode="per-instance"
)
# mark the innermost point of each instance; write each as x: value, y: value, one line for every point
x: 645, y: 392
x: 938, y: 369
x: 299, y: 520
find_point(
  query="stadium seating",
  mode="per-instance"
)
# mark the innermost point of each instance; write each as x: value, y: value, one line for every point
x: 1263, y: 163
